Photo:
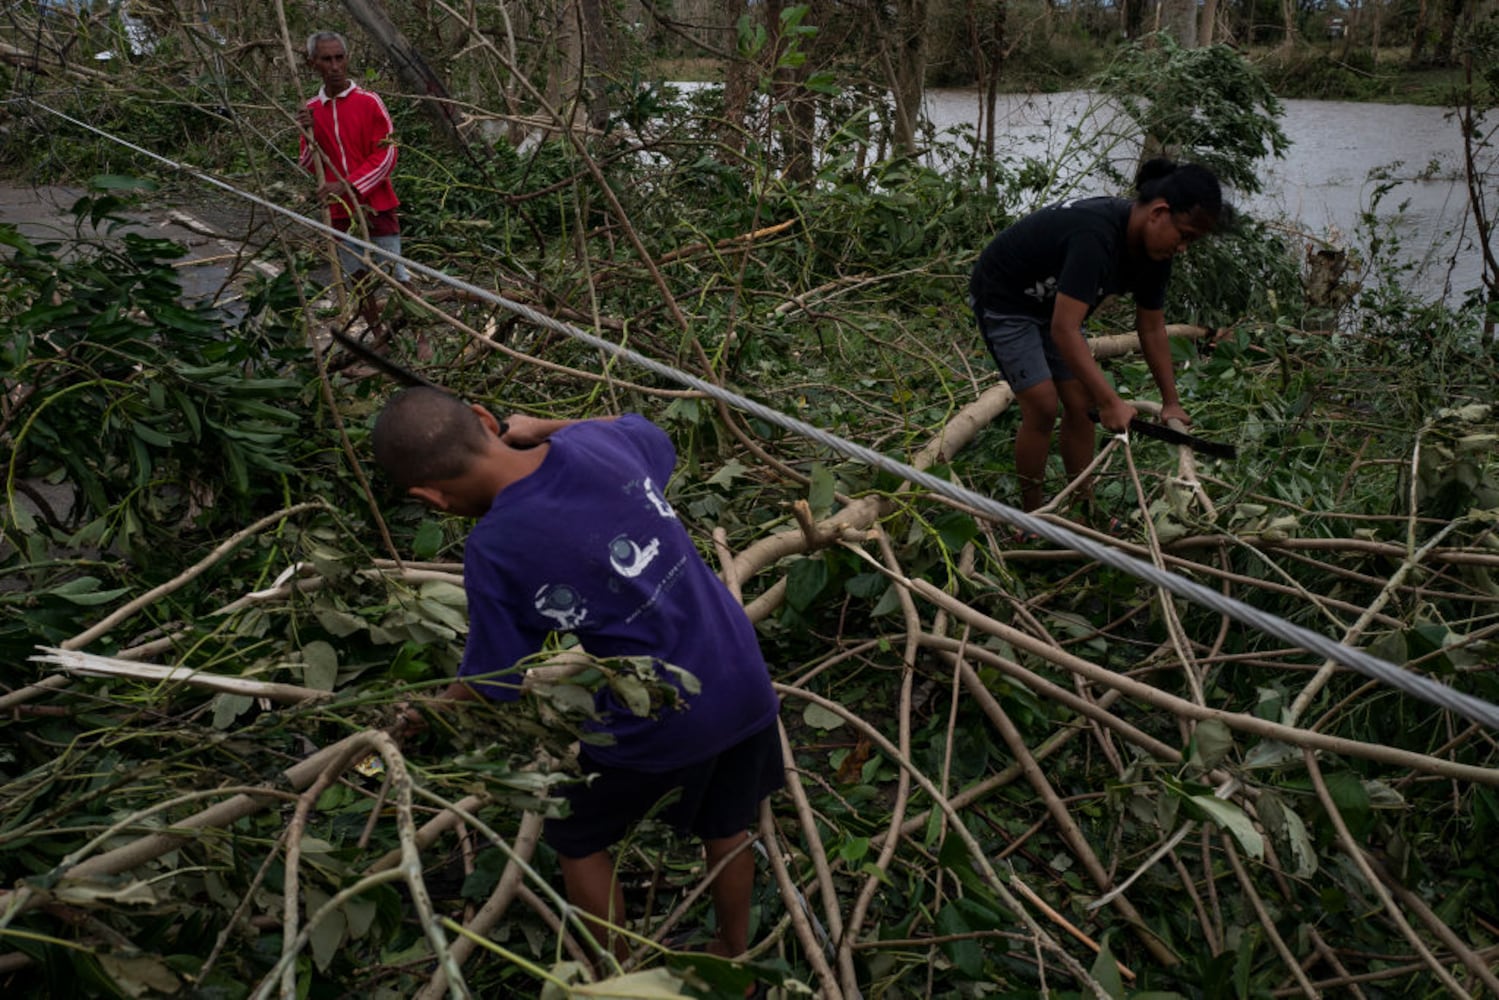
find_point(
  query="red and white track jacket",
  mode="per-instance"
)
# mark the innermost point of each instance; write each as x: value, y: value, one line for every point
x: 354, y: 130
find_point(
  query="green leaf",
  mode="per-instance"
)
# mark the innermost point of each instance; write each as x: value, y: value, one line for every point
x: 1270, y: 753
x: 319, y: 665
x: 956, y: 530
x: 728, y: 472
x: 820, y: 492
x: 328, y: 934
x: 853, y: 849
x: 818, y: 717
x: 1231, y: 818
x: 228, y: 707
x: 444, y: 614
x: 568, y: 698
x: 633, y: 693
x: 805, y: 581
x: 340, y: 623
x: 1352, y: 799
x: 444, y: 592
x: 1211, y: 742
x: 85, y: 592
x: 1282, y: 823
x: 653, y: 984
x: 1106, y: 970
x: 1244, y: 961
x: 139, y: 975
x: 889, y: 602
x: 965, y: 953
x: 150, y: 434
x: 686, y: 678
x: 119, y: 182
x: 428, y: 540
x: 409, y: 664
x: 360, y: 913
x: 23, y: 519
x: 10, y: 237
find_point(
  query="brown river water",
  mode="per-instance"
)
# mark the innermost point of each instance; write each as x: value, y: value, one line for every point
x: 1322, y: 187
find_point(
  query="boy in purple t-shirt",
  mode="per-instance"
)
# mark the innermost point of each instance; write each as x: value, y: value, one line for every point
x: 574, y: 535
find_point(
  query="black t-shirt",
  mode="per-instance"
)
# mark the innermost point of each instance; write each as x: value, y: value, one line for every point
x: 1074, y: 247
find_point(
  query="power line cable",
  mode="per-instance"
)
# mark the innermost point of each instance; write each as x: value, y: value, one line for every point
x: 1417, y: 685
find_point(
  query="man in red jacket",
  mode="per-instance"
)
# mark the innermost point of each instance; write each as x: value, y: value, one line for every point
x: 353, y: 133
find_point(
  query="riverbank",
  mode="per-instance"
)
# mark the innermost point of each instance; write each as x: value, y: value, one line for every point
x: 1316, y: 72
x: 1321, y: 72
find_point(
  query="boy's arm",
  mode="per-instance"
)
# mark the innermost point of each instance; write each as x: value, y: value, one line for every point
x: 1067, y: 318
x: 524, y: 431
x: 411, y: 722
x: 1156, y: 346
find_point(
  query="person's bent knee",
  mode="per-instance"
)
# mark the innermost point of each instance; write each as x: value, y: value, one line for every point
x: 1075, y: 417
x: 1038, y: 406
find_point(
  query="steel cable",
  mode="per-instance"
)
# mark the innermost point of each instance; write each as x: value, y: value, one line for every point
x: 1419, y: 686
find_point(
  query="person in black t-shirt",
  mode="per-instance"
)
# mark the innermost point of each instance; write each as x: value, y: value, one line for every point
x: 1037, y: 281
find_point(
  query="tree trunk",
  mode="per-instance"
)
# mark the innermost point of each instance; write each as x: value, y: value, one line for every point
x: 411, y: 69
x: 1350, y: 29
x: 1453, y: 12
x: 565, y: 69
x: 795, y: 123
x: 1418, y: 34
x: 907, y: 52
x: 986, y: 34
x: 1288, y: 17
x: 1207, y: 28
x: 1181, y: 21
x: 600, y: 58
x: 739, y: 82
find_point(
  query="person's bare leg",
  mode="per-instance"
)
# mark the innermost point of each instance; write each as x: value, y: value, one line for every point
x: 592, y: 888
x: 1078, y: 439
x: 363, y: 286
x: 731, y: 891
x: 424, y: 351
x: 1038, y: 414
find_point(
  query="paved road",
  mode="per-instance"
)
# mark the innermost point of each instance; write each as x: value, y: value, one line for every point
x: 214, y: 240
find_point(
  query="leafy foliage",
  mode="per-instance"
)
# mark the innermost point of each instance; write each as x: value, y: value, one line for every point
x: 838, y: 299
x: 1203, y: 104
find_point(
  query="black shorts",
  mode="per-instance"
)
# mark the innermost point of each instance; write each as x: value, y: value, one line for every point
x: 719, y: 797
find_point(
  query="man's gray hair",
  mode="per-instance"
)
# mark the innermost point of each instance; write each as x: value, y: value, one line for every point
x: 324, y: 36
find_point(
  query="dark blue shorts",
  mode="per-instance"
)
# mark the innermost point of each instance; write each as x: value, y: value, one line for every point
x: 1022, y: 347
x: 717, y: 798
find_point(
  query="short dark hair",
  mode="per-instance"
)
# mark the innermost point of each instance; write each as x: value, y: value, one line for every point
x: 1186, y: 187
x: 425, y: 436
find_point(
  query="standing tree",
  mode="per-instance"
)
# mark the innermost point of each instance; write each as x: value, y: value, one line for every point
x: 794, y: 111
x: 1179, y: 17
x: 1476, y: 100
x: 1208, y: 105
x: 739, y: 76
x: 986, y: 30
x: 412, y: 70
x: 1418, y: 33
x: 600, y: 61
x: 904, y: 56
x: 1207, y: 27
x: 1455, y: 14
